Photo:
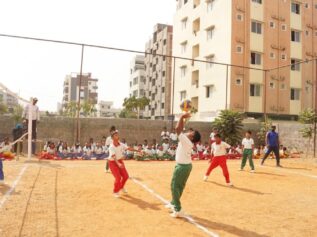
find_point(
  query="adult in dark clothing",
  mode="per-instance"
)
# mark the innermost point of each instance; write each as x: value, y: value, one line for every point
x: 17, y: 132
x: 273, y: 143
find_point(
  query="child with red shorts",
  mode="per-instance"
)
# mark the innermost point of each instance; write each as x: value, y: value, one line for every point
x: 219, y: 157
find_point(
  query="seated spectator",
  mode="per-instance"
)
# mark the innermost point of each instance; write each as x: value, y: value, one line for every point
x: 145, y: 144
x: 87, y: 151
x: 6, y: 150
x: 49, y: 152
x: 77, y: 152
x: 165, y: 134
x: 165, y: 145
x: 99, y: 152
x: 64, y: 151
x: 200, y: 150
x: 172, y: 151
x: 173, y: 137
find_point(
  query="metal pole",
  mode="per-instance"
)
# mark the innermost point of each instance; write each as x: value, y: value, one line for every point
x: 79, y: 90
x: 315, y: 125
x: 264, y: 96
x: 173, y: 91
x: 30, y: 106
x: 227, y: 68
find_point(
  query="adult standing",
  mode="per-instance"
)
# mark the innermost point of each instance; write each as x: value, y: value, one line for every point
x: 35, y: 116
x: 272, y: 141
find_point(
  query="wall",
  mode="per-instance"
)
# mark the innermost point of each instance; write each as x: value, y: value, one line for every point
x: 59, y: 128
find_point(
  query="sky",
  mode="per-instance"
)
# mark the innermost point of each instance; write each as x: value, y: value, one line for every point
x: 38, y: 69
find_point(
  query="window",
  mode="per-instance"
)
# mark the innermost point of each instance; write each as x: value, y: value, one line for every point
x: 255, y: 90
x: 283, y: 56
x: 256, y: 27
x: 239, y: 17
x: 283, y: 86
x: 296, y: 65
x: 284, y: 27
x: 208, y: 91
x: 272, y: 24
x: 184, y: 23
x: 183, y: 71
x: 295, y: 94
x: 272, y: 86
x: 315, y: 6
x: 183, y: 47
x: 162, y: 106
x: 163, y: 74
x: 210, y: 32
x: 257, y: 1
x: 307, y: 32
x: 295, y: 8
x: 210, y: 5
x: 306, y: 5
x: 163, y: 89
x: 239, y: 49
x: 272, y: 55
x: 295, y: 36
x: 183, y: 95
x: 130, y: 83
x: 185, y: 1
x: 210, y: 59
x: 239, y: 82
x: 255, y: 58
x: 315, y: 33
x: 135, y: 81
x: 164, y: 42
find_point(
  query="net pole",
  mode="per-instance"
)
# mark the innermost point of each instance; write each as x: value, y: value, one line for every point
x: 30, y: 130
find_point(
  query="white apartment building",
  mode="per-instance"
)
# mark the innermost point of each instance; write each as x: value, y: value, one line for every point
x: 105, y: 109
x: 137, y: 77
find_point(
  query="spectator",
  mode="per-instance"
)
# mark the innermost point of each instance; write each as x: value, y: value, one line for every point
x: 165, y: 134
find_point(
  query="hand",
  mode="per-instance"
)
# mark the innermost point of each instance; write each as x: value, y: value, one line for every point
x: 187, y: 115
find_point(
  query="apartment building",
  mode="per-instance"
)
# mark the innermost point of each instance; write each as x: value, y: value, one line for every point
x: 259, y: 34
x: 88, y: 88
x: 158, y: 71
x: 137, y: 77
x: 105, y: 109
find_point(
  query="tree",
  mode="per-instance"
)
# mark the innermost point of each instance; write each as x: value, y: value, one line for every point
x: 134, y: 104
x: 307, y: 117
x: 265, y: 127
x: 71, y: 109
x: 127, y: 114
x: 17, y: 113
x: 229, y: 125
x: 87, y: 108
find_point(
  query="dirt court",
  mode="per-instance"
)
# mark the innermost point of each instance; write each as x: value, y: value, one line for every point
x: 74, y: 198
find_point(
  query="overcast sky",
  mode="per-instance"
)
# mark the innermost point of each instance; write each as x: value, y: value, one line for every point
x: 33, y: 68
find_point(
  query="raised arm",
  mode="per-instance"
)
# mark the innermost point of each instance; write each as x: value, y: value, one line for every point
x: 180, y: 125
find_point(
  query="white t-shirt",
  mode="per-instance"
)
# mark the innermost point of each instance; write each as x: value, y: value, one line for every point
x: 108, y: 141
x: 184, y: 149
x: 212, y: 136
x: 118, y: 151
x: 247, y: 143
x: 220, y: 149
x: 165, y: 146
x: 200, y: 147
x: 173, y: 136
x: 165, y: 135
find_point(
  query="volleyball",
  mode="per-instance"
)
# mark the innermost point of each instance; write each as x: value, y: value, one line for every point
x: 186, y: 105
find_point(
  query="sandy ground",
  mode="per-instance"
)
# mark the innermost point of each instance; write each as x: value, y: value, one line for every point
x: 74, y: 198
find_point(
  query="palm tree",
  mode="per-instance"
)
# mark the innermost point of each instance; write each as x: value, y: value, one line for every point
x: 229, y: 125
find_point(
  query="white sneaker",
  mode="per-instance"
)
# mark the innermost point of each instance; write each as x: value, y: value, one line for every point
x: 205, y: 178
x: 124, y: 191
x: 252, y: 171
x: 230, y: 184
x: 170, y: 206
x: 107, y: 171
x: 177, y: 214
x: 116, y: 195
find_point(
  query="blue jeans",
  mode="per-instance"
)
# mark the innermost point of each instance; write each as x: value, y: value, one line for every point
x: 1, y: 170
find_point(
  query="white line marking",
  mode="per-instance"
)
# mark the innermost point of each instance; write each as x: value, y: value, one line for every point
x: 164, y: 201
x: 15, y: 183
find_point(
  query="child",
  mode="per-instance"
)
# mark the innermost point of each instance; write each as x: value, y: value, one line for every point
x: 165, y: 145
x: 219, y: 157
x: 49, y: 152
x: 6, y: 150
x: 116, y: 164
x: 77, y: 152
x: 248, y: 147
x: 183, y: 165
x: 87, y: 151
